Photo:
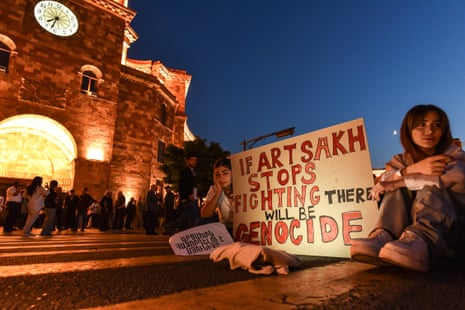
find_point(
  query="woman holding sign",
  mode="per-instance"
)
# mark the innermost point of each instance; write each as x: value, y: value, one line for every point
x: 422, y: 213
x: 218, y: 205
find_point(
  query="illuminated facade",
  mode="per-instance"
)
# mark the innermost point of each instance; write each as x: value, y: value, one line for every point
x: 74, y: 108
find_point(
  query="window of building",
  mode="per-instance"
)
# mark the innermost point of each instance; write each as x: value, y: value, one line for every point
x: 161, y: 151
x: 7, y: 50
x: 89, y: 83
x: 5, y: 53
x: 91, y: 77
x: 163, y: 114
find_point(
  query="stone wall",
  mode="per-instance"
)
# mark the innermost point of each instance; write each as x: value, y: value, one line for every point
x: 117, y: 132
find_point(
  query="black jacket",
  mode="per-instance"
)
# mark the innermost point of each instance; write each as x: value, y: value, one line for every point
x: 51, y: 201
x: 151, y: 202
x: 187, y: 183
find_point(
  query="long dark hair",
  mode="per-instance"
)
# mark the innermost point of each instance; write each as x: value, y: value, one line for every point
x: 412, y: 119
x: 31, y: 188
x: 222, y: 162
x: 53, y: 185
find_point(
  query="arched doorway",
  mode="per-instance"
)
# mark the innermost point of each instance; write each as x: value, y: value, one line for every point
x: 32, y: 145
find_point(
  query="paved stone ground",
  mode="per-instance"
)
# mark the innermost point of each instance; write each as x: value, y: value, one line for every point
x: 129, y: 270
x: 91, y: 269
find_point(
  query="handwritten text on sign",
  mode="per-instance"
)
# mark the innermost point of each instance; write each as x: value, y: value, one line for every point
x: 200, y: 240
x: 308, y: 194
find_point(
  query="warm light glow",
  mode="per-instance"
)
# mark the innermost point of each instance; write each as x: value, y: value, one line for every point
x: 95, y: 153
x: 44, y: 127
x: 37, y: 145
x: 129, y: 195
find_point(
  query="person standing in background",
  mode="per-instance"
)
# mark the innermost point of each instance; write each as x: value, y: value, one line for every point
x: 139, y: 220
x: 60, y: 212
x: 161, y: 214
x: 35, y: 195
x: 169, y: 204
x: 85, y: 200
x: 70, y: 209
x: 190, y: 212
x: 131, y: 209
x: 13, y: 205
x: 151, y: 210
x: 120, y: 207
x: 106, y: 206
x: 51, y: 205
x: 23, y: 212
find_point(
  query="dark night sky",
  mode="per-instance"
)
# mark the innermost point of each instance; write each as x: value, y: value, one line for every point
x: 259, y: 66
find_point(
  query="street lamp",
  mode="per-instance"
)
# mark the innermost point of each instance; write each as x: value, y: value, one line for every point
x: 247, y: 144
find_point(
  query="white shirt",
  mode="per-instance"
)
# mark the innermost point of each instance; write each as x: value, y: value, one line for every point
x: 10, y: 194
x: 36, y: 201
x: 224, y: 206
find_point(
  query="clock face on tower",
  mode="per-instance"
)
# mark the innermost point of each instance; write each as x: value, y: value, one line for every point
x: 56, y: 18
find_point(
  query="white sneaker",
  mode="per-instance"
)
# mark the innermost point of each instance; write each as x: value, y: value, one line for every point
x: 366, y: 250
x: 410, y: 251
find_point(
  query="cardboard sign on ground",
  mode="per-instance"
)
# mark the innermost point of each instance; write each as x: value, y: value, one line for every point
x: 200, y: 240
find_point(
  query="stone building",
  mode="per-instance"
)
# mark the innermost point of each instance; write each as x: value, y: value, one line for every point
x: 74, y: 108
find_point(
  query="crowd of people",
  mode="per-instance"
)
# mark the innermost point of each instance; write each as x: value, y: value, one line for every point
x: 49, y: 208
x: 159, y: 212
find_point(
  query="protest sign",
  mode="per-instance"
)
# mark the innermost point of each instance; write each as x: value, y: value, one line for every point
x: 308, y: 194
x: 200, y: 240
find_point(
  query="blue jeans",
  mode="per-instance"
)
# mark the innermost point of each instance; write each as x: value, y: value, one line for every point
x: 12, y: 216
x: 81, y: 220
x: 49, y: 222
